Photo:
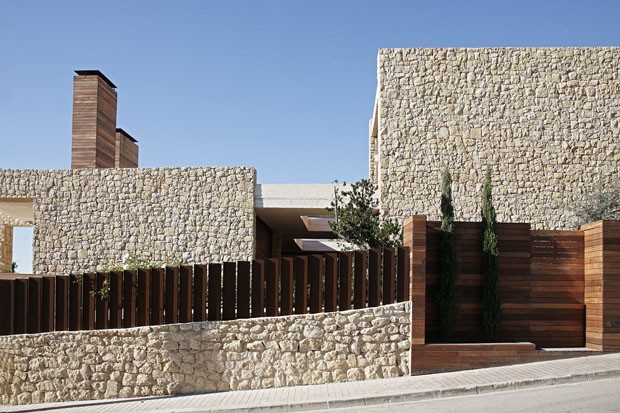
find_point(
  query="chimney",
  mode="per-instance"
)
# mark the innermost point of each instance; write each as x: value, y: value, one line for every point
x: 126, y: 150
x: 94, y: 121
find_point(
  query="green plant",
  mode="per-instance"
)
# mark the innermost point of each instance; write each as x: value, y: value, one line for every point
x: 358, y: 221
x: 491, y: 297
x: 448, y: 266
x: 14, y: 266
x: 602, y: 203
x: 104, y: 291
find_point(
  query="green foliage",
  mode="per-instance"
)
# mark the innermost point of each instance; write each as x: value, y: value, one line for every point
x: 358, y: 221
x: 491, y: 298
x: 448, y: 266
x: 14, y: 266
x: 602, y: 203
x: 131, y: 261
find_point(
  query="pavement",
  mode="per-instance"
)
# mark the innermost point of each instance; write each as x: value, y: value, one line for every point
x: 359, y: 393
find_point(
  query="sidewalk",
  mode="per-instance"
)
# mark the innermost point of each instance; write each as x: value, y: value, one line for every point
x: 337, y: 395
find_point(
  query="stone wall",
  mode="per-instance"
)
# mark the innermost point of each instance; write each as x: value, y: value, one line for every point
x: 545, y: 120
x: 93, y: 217
x: 205, y: 357
x: 6, y: 247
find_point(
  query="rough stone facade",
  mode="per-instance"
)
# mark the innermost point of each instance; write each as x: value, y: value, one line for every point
x: 205, y: 357
x: 545, y: 120
x: 6, y: 247
x: 92, y: 217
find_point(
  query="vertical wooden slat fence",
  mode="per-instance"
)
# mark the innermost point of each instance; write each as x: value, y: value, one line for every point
x: 271, y: 287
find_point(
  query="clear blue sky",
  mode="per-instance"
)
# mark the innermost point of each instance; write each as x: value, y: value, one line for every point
x: 284, y: 86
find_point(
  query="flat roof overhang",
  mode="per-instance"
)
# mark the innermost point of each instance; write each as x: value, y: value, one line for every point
x: 296, y: 211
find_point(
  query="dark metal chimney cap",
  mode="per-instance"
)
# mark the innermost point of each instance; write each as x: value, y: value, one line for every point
x: 119, y: 130
x: 96, y: 73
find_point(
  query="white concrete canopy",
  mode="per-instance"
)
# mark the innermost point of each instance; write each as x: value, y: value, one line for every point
x: 286, y: 209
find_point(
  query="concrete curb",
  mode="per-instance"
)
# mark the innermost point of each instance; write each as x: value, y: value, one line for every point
x: 416, y: 395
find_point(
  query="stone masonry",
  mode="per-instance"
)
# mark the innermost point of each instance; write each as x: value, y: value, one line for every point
x: 90, y: 218
x: 545, y: 120
x: 207, y: 356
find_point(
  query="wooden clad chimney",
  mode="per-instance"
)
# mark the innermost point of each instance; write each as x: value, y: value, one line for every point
x: 94, y: 121
x: 126, y: 150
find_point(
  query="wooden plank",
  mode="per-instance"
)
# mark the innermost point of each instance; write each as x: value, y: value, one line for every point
x: 185, y: 293
x: 214, y: 310
x: 258, y: 288
x: 35, y: 298
x: 331, y: 282
x: 143, y: 300
x: 89, y: 304
x: 130, y: 284
x: 359, y: 283
x: 301, y: 285
x: 102, y: 296
x: 7, y: 306
x: 243, y: 289
x: 374, y: 277
x: 402, y: 276
x: 315, y: 267
x: 20, y: 324
x: 272, y: 279
x: 48, y: 301
x: 287, y: 285
x: 62, y: 302
x: 116, y: 299
x: 229, y: 292
x: 171, y: 313
x: 76, y: 299
x: 389, y: 276
x: 345, y: 264
x: 158, y: 276
x: 200, y: 292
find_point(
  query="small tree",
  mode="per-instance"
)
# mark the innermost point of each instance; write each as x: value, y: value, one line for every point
x: 358, y: 221
x: 602, y: 203
x: 491, y: 299
x: 448, y: 266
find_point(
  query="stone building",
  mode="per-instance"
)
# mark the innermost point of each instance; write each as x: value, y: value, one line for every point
x: 544, y: 120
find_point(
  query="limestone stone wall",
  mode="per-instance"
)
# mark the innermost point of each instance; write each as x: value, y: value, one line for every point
x: 90, y: 218
x: 205, y: 357
x: 545, y: 120
x: 6, y: 247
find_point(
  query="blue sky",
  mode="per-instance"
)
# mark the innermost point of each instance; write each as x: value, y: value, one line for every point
x: 284, y: 86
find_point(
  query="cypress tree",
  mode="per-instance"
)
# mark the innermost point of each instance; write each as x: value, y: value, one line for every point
x: 491, y: 299
x: 448, y: 267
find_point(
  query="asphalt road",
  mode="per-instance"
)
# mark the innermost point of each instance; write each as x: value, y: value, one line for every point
x: 589, y: 396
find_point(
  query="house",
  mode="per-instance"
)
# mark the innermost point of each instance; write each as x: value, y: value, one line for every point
x: 544, y: 120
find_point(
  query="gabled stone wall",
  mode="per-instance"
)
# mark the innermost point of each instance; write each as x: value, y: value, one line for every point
x: 89, y: 218
x: 545, y: 120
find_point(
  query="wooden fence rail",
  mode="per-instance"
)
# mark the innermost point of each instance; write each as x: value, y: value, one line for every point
x: 243, y: 289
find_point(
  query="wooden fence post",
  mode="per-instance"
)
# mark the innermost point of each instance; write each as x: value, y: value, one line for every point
x: 602, y: 284
x: 414, y: 236
x: 359, y: 287
x: 374, y: 278
x: 229, y: 291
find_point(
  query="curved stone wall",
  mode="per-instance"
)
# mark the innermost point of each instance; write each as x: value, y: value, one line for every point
x: 205, y: 357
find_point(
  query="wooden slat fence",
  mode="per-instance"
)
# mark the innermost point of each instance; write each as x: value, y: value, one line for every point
x: 243, y: 289
x: 541, y: 283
